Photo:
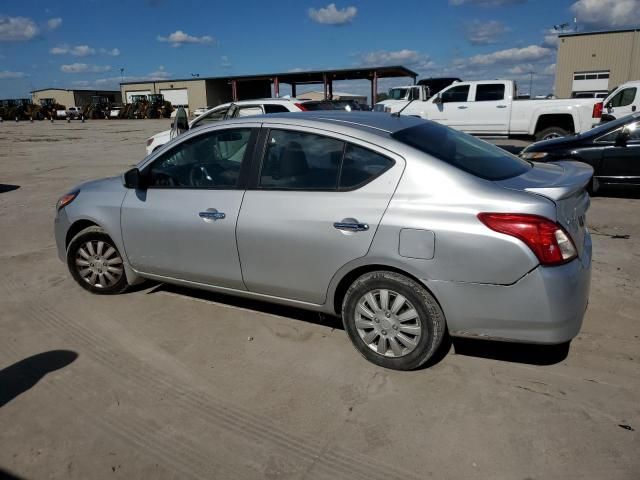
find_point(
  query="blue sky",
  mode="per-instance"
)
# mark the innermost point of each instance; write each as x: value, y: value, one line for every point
x: 85, y: 43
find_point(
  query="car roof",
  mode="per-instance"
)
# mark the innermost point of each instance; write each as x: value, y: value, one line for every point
x: 372, y: 122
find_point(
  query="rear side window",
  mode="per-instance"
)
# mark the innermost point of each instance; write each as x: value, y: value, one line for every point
x: 301, y: 161
x: 275, y: 109
x: 456, y: 94
x: 463, y: 151
x: 361, y: 165
x: 489, y: 92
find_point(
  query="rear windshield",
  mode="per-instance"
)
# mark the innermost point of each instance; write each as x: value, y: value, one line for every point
x: 463, y: 151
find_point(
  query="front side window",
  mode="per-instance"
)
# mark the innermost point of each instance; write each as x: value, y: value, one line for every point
x: 212, y: 160
x: 248, y: 111
x: 634, y: 134
x: 456, y: 94
x: 490, y: 92
x: 301, y: 161
x: 415, y: 94
x: 397, y: 93
x: 624, y: 98
x: 463, y: 151
x: 214, y: 116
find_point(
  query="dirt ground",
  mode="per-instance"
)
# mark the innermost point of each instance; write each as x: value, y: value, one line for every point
x: 169, y: 383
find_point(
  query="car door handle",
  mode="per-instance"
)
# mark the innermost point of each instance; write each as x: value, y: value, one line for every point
x: 351, y: 227
x: 501, y: 106
x: 212, y: 214
x: 463, y: 107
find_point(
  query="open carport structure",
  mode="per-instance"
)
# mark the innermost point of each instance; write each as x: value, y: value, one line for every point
x: 210, y: 91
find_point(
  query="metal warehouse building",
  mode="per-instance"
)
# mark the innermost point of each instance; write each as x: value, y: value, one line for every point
x: 211, y: 91
x: 596, y: 62
x: 74, y: 98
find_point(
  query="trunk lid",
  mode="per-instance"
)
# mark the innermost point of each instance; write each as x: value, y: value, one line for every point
x: 564, y: 183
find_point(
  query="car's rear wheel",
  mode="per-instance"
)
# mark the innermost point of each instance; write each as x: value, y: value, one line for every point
x: 392, y: 320
x: 551, y: 133
x: 95, y: 262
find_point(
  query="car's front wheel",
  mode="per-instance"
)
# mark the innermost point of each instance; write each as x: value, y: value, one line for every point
x: 95, y: 262
x: 392, y: 320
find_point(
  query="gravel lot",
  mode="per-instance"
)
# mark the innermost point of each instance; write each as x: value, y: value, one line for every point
x: 174, y: 383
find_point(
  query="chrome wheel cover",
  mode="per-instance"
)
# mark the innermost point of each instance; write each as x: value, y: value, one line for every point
x: 551, y: 136
x: 388, y: 323
x: 98, y: 263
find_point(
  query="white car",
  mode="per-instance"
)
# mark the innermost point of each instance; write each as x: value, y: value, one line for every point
x: 241, y: 108
x: 491, y: 108
x: 199, y: 111
x: 74, y: 112
x: 623, y: 101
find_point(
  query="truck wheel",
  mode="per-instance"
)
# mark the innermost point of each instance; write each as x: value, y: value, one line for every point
x: 550, y: 133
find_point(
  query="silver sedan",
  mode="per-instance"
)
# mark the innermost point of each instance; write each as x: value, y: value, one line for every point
x: 405, y: 228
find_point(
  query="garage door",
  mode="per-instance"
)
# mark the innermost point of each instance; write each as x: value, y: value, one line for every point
x: 130, y: 93
x: 177, y: 96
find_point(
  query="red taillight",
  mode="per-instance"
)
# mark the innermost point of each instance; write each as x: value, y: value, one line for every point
x: 548, y: 240
x: 301, y: 106
x: 597, y: 110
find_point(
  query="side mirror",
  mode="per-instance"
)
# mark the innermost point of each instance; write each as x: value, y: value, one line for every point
x: 438, y: 100
x: 623, y: 137
x: 133, y: 179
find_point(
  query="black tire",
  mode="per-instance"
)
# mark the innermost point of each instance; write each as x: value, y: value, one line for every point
x: 94, y: 235
x: 551, y: 132
x: 432, y: 324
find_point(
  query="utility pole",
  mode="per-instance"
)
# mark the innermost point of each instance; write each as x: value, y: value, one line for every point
x: 122, y: 74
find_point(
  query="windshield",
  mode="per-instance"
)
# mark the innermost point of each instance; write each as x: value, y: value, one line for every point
x: 607, y: 126
x: 463, y: 151
x: 397, y: 93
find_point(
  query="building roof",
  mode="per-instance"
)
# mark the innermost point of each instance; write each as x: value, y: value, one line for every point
x: 310, y: 76
x: 597, y: 32
x: 74, y: 90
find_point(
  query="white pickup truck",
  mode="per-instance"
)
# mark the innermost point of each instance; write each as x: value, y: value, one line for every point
x: 490, y: 108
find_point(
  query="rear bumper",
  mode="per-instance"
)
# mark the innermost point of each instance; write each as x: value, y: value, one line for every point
x: 545, y: 306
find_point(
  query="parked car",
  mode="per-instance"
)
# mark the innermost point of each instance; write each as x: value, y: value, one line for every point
x: 622, y: 101
x: 612, y: 149
x: 74, y: 112
x: 241, y: 108
x: 405, y: 228
x: 115, y: 112
x: 488, y: 108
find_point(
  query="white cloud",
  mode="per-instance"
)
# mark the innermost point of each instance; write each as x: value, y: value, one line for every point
x: 550, y: 39
x: 17, y: 29
x: 550, y: 69
x: 607, y: 13
x: 486, y: 3
x: 485, y: 33
x: 113, y: 52
x: 54, y: 23
x: 179, y: 38
x: 330, y: 15
x: 410, y: 58
x: 84, y: 68
x: 159, y: 74
x: 531, y: 53
x: 82, y: 50
x: 4, y: 74
x: 225, y: 62
x: 113, y: 83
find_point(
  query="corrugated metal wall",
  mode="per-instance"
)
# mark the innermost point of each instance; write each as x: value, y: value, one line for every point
x: 618, y: 52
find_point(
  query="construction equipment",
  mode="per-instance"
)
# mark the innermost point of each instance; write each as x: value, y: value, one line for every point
x: 98, y: 108
x: 138, y: 107
x: 7, y: 109
x: 48, y: 109
x: 158, y: 107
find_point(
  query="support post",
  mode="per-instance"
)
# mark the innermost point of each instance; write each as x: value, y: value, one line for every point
x: 324, y: 81
x: 276, y: 87
x: 293, y: 90
x: 374, y: 97
x: 330, y: 89
x: 234, y: 90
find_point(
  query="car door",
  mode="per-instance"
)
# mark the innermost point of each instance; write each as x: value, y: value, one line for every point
x: 452, y: 107
x: 623, y: 103
x: 490, y: 110
x: 621, y: 161
x: 183, y: 224
x: 313, y: 205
